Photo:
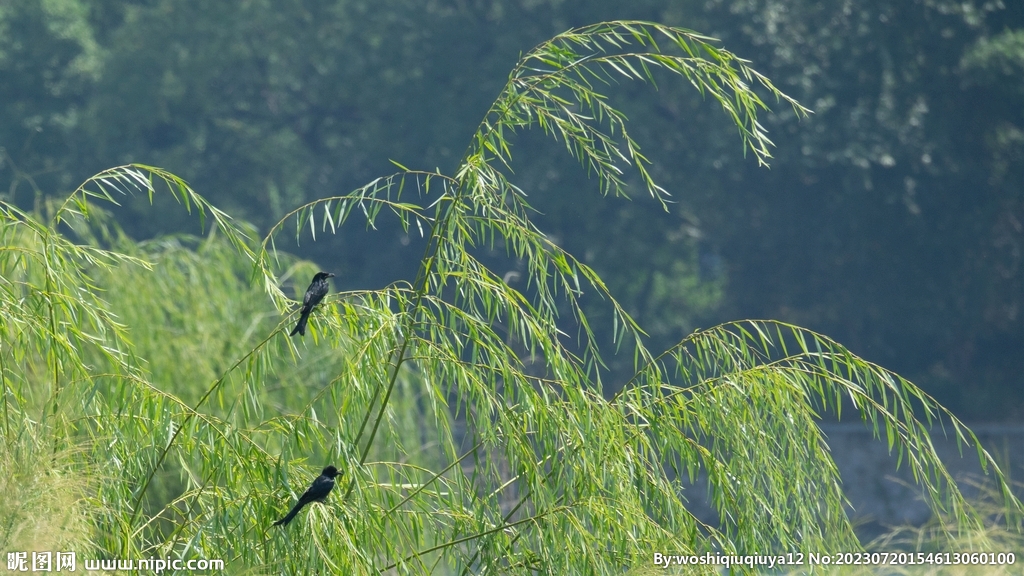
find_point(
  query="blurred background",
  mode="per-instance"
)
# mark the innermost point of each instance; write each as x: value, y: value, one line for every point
x: 892, y: 219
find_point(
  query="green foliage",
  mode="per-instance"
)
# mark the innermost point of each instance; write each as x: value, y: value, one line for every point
x: 1001, y: 57
x: 932, y: 539
x: 467, y: 416
x: 904, y: 183
x: 49, y: 58
x: 891, y: 218
x: 45, y: 505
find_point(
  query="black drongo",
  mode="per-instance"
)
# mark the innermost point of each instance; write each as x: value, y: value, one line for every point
x: 314, y: 294
x: 317, y: 492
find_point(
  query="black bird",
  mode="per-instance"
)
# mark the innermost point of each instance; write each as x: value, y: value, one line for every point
x: 317, y: 492
x: 318, y: 288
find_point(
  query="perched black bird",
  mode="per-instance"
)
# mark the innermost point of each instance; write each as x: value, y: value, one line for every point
x: 318, y: 288
x: 317, y: 492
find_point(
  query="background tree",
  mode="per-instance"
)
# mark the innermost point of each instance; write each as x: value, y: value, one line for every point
x: 891, y: 220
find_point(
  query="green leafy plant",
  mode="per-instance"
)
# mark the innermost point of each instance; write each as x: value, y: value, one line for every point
x: 468, y: 417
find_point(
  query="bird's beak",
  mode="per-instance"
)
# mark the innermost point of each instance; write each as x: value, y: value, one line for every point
x: 329, y: 275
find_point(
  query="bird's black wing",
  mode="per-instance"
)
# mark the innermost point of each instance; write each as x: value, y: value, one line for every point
x: 317, y: 290
x: 316, y: 492
x: 319, y: 490
x: 309, y: 299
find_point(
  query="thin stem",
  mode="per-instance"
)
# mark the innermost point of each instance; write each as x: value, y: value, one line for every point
x: 137, y: 506
x: 3, y: 397
x: 423, y: 280
x: 432, y: 480
x: 458, y: 541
